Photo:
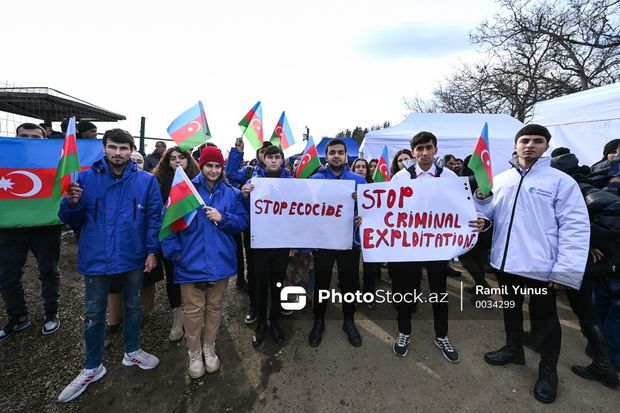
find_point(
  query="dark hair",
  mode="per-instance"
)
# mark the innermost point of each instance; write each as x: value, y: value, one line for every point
x: 272, y: 150
x: 333, y: 142
x: 265, y: 145
x: 30, y: 126
x: 448, y: 157
x: 119, y: 136
x: 373, y: 160
x: 165, y: 174
x: 534, y: 129
x: 466, y: 171
x: 394, y: 167
x: 459, y: 160
x: 423, y: 137
x: 367, y: 176
x: 162, y: 142
x: 559, y: 151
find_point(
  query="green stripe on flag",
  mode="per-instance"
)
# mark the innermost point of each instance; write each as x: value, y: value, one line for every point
x: 177, y: 211
x: 18, y: 213
x: 196, y: 139
x: 476, y: 165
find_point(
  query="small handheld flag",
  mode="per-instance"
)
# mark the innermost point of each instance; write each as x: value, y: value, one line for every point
x: 382, y: 173
x: 282, y: 135
x: 181, y: 206
x: 190, y: 129
x: 252, y: 126
x: 480, y: 162
x: 309, y: 161
x: 68, y: 164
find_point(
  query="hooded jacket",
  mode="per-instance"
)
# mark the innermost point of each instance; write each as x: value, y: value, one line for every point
x: 541, y: 225
x: 118, y: 219
x: 207, y: 251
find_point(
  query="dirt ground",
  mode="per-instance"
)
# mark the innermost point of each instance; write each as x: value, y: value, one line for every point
x: 293, y: 376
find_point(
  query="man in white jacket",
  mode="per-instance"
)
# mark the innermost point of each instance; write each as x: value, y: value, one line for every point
x: 540, y: 244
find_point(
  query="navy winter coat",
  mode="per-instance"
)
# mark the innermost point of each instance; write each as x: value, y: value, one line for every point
x: 118, y: 220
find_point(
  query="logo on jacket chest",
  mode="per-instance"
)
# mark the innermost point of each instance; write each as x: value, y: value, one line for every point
x: 540, y: 191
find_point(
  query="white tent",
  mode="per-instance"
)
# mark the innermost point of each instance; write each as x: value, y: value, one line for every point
x: 456, y: 133
x: 583, y: 121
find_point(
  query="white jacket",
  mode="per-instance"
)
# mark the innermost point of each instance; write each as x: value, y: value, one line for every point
x: 541, y: 224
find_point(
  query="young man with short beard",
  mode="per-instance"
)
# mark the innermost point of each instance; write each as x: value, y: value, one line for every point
x: 347, y: 260
x: 117, y: 209
x: 540, y: 240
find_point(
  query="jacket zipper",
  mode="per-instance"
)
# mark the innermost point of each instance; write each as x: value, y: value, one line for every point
x: 512, y: 217
x: 134, y: 209
x: 96, y: 208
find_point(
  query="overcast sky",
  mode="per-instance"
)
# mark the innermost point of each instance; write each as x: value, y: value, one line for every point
x: 330, y: 65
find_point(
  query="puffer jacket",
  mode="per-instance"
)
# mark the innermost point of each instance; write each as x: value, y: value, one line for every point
x: 541, y: 225
x: 207, y: 251
x: 118, y: 220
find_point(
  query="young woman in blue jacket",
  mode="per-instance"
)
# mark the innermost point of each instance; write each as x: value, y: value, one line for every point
x: 204, y: 257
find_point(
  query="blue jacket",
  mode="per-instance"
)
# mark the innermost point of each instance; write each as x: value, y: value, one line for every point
x: 326, y: 172
x: 206, y: 251
x: 235, y: 174
x: 118, y: 220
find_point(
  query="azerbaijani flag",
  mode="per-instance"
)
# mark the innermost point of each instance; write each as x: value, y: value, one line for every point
x: 28, y: 171
x: 480, y: 162
x: 282, y: 135
x: 309, y: 162
x: 190, y: 129
x: 382, y: 173
x: 252, y: 126
x: 181, y: 207
x: 68, y: 164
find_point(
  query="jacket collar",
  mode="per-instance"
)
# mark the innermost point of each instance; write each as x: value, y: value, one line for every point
x: 101, y: 166
x: 540, y: 163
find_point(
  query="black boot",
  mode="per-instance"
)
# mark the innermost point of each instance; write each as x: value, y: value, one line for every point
x: 546, y: 388
x: 316, y: 333
x: 512, y: 352
x: 601, y: 368
x: 259, y: 334
x: 276, y: 331
x: 352, y: 334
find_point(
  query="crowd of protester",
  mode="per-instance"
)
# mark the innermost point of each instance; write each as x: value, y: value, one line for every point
x: 561, y: 234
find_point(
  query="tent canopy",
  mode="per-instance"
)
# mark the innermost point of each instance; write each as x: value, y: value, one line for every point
x: 353, y: 148
x: 456, y: 134
x: 582, y: 121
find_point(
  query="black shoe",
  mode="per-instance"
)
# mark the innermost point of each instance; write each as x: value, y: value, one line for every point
x: 259, y: 334
x: 505, y: 355
x: 14, y: 326
x: 316, y: 333
x: 607, y: 376
x: 352, y: 334
x: 546, y: 388
x: 446, y: 349
x: 277, y: 334
x: 250, y: 317
x: 51, y: 324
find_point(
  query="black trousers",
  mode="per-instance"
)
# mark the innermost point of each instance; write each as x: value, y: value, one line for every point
x: 348, y: 275
x: 372, y: 271
x: 543, y: 311
x: 406, y: 277
x: 240, y: 257
x: 172, y: 290
x: 44, y: 242
x: 250, y: 268
x: 270, y: 266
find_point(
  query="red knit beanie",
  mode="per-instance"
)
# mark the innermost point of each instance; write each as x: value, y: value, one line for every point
x: 210, y: 154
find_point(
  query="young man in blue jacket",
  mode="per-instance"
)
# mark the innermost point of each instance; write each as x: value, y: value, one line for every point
x: 270, y: 263
x: 116, y: 208
x: 347, y: 260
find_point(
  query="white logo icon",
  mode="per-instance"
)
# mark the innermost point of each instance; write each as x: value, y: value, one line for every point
x: 295, y: 293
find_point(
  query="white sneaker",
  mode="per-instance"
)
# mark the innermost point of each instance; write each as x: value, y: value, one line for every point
x: 212, y: 362
x: 80, y: 383
x: 196, y: 366
x: 141, y: 359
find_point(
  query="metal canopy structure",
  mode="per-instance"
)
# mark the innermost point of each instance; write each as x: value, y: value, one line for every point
x: 51, y: 105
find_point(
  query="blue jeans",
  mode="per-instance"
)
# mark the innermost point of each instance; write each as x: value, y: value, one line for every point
x: 96, y: 297
x: 606, y: 303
